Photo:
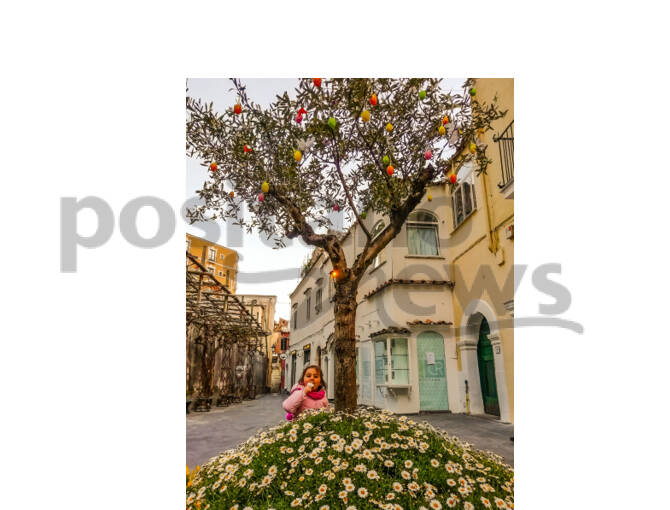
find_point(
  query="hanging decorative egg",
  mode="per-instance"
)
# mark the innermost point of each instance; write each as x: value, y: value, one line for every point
x: 473, y: 148
x: 389, y: 127
x: 265, y: 187
x: 452, y: 178
x: 298, y: 119
x: 364, y: 215
x: 232, y: 194
x: 373, y: 100
x: 332, y: 122
x: 213, y: 166
x: 428, y: 154
x: 473, y: 91
x: 336, y: 207
x: 317, y: 81
x: 389, y: 170
x: 430, y: 197
x: 365, y: 116
x: 422, y: 95
x: 261, y: 197
x: 386, y: 160
x: 237, y: 109
x: 302, y: 111
x: 445, y: 120
x: 297, y: 155
x: 247, y: 149
x: 441, y: 130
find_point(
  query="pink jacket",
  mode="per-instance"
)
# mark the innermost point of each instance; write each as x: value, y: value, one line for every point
x: 297, y: 402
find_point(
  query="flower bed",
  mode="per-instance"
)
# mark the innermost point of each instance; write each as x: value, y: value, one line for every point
x: 360, y: 460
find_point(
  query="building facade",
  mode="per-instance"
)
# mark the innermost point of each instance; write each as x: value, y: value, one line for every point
x: 434, y: 316
x: 263, y: 309
x: 219, y: 260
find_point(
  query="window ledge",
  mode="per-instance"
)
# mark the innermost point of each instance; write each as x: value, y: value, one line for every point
x: 394, y: 386
x: 438, y: 257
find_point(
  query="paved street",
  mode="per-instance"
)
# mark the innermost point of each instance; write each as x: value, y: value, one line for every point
x: 208, y: 434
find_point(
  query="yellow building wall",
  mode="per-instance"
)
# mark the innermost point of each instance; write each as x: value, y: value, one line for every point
x: 482, y: 257
x: 226, y: 259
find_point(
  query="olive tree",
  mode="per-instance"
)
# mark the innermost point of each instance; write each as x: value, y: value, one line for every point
x: 349, y: 145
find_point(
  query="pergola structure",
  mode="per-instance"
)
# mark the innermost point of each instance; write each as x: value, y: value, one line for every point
x: 224, y: 341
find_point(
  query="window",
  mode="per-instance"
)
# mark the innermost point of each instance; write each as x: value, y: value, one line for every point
x: 317, y: 305
x: 220, y: 273
x: 381, y: 362
x: 306, y: 357
x: 309, y: 306
x: 395, y: 351
x: 463, y: 198
x: 295, y: 317
x: 212, y: 254
x: 210, y: 269
x: 422, y: 234
x: 227, y: 277
x: 376, y: 230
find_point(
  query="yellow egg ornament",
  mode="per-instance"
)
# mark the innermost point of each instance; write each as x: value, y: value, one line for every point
x: 265, y: 187
x: 365, y: 116
x: 297, y: 155
x: 430, y: 198
x: 389, y: 127
x: 441, y: 130
x: 473, y: 148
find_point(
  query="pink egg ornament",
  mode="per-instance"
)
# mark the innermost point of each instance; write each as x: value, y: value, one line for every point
x: 261, y: 197
x: 428, y: 155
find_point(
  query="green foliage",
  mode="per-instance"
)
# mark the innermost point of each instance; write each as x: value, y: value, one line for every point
x: 363, y: 459
x: 340, y: 165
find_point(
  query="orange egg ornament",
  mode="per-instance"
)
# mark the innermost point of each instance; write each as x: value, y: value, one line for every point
x: 389, y: 170
x: 452, y: 178
x: 445, y: 120
x: 232, y: 194
x: 237, y: 109
x: 373, y: 100
x: 213, y: 166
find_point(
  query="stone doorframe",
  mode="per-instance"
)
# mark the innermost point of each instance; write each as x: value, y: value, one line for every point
x: 469, y: 337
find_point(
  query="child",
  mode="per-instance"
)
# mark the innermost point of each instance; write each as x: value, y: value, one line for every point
x: 308, y: 393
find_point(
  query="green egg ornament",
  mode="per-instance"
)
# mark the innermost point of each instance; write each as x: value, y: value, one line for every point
x: 422, y: 95
x: 332, y: 122
x: 473, y: 91
x: 364, y: 215
x: 386, y: 160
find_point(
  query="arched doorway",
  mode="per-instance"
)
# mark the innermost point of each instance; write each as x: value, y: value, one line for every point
x: 487, y: 372
x: 432, y: 372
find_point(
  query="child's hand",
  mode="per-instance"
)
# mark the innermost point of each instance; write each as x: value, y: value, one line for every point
x: 308, y: 388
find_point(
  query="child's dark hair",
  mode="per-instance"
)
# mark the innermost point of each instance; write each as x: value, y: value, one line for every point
x: 304, y: 371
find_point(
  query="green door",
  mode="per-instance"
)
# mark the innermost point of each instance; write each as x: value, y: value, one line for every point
x: 487, y: 373
x: 432, y: 373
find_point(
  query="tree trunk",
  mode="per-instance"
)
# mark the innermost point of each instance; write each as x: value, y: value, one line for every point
x: 345, y: 346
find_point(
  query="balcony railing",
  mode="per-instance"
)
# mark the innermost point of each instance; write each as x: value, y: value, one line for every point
x: 505, y: 143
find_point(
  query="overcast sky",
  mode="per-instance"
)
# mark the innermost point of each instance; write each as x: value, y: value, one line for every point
x: 256, y: 256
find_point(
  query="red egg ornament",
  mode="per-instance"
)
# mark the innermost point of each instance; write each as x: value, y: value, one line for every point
x: 373, y: 100
x: 302, y: 111
x: 389, y: 170
x: 317, y: 82
x: 452, y: 178
x: 428, y: 155
x: 237, y: 109
x: 336, y: 207
x: 213, y: 166
x: 247, y: 149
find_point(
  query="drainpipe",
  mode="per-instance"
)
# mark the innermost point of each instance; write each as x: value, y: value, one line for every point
x: 494, y: 241
x: 467, y: 398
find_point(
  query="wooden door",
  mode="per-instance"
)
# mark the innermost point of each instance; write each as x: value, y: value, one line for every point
x: 432, y: 372
x: 487, y: 373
